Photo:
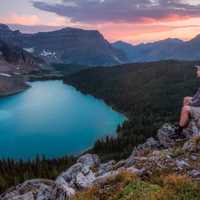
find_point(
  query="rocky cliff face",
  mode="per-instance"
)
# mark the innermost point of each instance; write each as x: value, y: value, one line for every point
x: 14, y: 64
x: 68, y: 45
x: 165, y: 152
x: 11, y: 85
x: 15, y: 60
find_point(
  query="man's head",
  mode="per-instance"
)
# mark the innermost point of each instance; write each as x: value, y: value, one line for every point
x: 198, y: 70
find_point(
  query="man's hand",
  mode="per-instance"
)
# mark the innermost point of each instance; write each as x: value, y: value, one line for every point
x: 186, y: 100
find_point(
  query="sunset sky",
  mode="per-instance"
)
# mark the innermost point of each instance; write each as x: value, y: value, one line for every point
x: 133, y: 21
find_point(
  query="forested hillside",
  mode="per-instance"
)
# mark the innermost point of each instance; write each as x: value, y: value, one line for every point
x: 148, y: 93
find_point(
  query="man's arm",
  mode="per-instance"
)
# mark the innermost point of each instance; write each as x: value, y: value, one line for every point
x: 186, y: 100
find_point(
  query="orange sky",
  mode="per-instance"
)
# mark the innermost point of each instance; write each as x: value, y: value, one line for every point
x: 134, y: 33
x: 145, y: 30
x: 148, y: 32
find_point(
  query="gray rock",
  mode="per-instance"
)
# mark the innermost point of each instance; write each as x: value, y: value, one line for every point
x: 181, y: 164
x: 78, y: 176
x: 70, y: 173
x: 130, y: 160
x: 83, y: 181
x: 44, y: 192
x: 151, y: 143
x: 189, y: 146
x: 62, y: 191
x: 102, y: 179
x: 85, y: 170
x: 105, y: 167
x: 192, y: 129
x: 194, y: 173
x: 193, y: 157
x: 135, y: 170
x: 165, y: 133
x: 91, y: 160
x: 26, y: 196
x: 141, y: 150
x: 119, y: 164
x: 29, y: 189
x: 192, y: 145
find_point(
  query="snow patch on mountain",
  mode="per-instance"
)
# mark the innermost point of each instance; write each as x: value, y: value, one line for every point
x: 29, y: 50
x: 47, y: 53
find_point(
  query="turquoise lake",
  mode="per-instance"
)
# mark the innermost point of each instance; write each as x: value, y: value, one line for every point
x: 53, y: 119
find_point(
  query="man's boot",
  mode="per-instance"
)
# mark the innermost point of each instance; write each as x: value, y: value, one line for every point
x: 179, y: 131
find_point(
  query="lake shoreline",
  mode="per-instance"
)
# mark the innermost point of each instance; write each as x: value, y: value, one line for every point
x: 15, y: 89
x: 103, y: 130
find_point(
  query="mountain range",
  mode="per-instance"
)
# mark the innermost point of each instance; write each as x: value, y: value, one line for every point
x: 167, y: 49
x: 89, y: 47
x: 68, y: 45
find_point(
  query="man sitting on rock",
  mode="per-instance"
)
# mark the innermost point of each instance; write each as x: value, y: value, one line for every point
x: 190, y: 109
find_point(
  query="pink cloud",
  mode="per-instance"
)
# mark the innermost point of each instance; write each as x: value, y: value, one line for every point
x: 21, y: 19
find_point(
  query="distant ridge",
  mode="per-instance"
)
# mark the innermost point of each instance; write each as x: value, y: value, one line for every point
x: 89, y: 47
x: 67, y: 45
x: 170, y: 48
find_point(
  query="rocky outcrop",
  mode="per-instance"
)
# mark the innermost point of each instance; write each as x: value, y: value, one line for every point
x: 11, y: 85
x: 14, y: 64
x: 165, y: 135
x: 164, y: 152
x: 14, y: 60
x: 30, y: 190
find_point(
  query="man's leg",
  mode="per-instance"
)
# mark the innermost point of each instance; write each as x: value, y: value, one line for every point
x: 184, y: 119
x: 185, y: 116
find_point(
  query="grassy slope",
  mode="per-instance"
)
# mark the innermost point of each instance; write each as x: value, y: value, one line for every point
x: 126, y: 186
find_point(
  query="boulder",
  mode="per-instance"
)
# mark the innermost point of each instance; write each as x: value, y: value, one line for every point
x: 62, y: 191
x: 44, y: 192
x: 70, y: 174
x: 84, y: 181
x: 90, y: 160
x: 40, y: 188
x: 135, y: 170
x: 194, y: 173
x: 26, y: 196
x: 105, y: 167
x: 141, y: 150
x: 165, y: 135
x: 192, y: 145
x: 78, y: 176
x: 103, y: 178
x: 182, y: 164
x: 119, y: 164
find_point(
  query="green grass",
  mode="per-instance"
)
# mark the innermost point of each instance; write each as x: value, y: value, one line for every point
x: 171, y: 187
x: 139, y: 190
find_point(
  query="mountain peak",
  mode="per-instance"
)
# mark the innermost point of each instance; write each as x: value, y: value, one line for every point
x: 69, y: 29
x: 196, y: 38
x: 4, y: 27
x: 121, y: 42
